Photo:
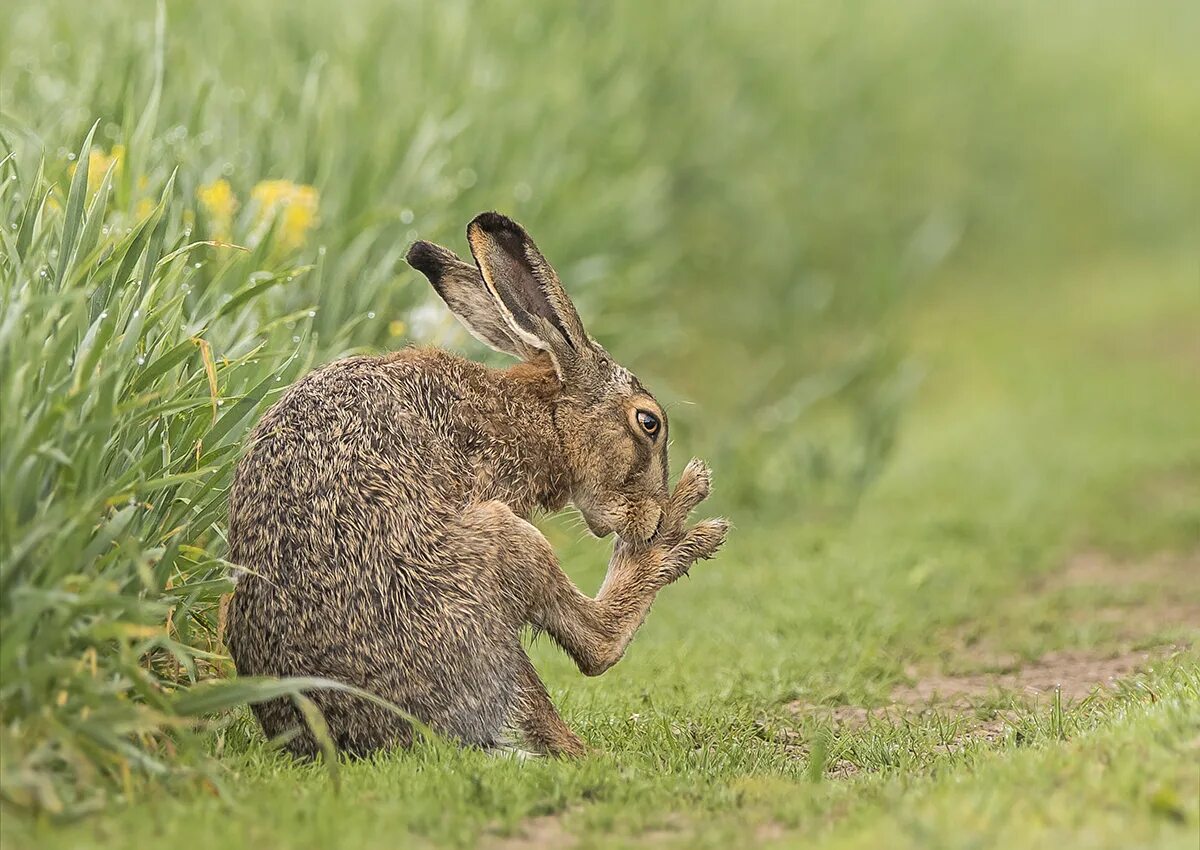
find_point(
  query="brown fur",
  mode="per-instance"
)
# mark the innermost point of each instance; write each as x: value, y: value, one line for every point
x: 380, y: 517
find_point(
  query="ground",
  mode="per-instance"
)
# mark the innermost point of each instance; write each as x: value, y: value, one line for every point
x: 997, y: 650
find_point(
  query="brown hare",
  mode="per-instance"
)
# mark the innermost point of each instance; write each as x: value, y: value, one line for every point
x: 380, y: 513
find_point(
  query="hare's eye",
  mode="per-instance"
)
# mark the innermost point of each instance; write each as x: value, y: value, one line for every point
x: 648, y: 421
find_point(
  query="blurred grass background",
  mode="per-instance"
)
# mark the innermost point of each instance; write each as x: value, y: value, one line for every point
x: 739, y: 196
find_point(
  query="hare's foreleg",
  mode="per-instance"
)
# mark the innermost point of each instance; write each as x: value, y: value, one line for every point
x: 594, y: 632
x: 539, y: 721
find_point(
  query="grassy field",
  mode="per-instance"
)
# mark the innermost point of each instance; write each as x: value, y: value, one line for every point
x: 1044, y: 434
x: 920, y: 282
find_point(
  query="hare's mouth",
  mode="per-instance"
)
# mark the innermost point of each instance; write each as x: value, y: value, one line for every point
x: 643, y: 522
x: 597, y: 528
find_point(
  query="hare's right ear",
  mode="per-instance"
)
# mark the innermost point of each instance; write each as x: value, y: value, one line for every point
x: 462, y: 288
x: 528, y: 291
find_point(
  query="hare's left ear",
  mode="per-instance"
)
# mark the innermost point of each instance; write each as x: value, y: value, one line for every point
x: 527, y: 290
x: 468, y: 298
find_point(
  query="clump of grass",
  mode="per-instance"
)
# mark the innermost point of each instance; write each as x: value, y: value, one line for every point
x: 133, y: 363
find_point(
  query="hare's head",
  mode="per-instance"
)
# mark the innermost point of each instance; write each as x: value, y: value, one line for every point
x: 612, y: 432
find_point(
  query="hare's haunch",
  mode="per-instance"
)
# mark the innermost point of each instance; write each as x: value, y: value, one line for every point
x: 381, y: 511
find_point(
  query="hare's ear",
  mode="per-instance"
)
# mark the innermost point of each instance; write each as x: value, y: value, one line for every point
x: 468, y: 297
x: 526, y: 289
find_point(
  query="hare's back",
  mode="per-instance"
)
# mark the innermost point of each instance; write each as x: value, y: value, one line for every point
x: 340, y: 516
x: 346, y: 466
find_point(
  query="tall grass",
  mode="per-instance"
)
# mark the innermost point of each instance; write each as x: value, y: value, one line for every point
x: 737, y: 194
x: 130, y: 372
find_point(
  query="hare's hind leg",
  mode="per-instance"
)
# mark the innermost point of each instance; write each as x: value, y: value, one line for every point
x: 538, y: 720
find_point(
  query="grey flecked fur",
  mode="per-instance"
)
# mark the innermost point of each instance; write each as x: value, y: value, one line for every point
x: 380, y: 516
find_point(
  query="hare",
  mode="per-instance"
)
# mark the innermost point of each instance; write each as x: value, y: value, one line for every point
x: 380, y: 517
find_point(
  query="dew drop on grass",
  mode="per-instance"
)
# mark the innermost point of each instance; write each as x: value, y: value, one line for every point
x: 71, y: 157
x: 196, y: 265
x: 295, y: 339
x: 141, y: 361
x: 103, y: 315
x: 371, y: 315
x: 312, y: 314
x: 220, y: 402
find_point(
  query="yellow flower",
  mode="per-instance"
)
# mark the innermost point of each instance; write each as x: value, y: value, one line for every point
x: 292, y: 206
x: 98, y: 163
x: 219, y: 205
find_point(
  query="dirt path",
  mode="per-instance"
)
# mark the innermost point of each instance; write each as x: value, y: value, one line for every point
x: 979, y: 688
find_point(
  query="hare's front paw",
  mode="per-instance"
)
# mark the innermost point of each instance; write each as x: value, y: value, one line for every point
x: 699, y: 543
x: 693, y: 487
x: 676, y: 546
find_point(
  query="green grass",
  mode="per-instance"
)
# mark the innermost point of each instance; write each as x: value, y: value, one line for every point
x: 1004, y: 470
x: 927, y: 274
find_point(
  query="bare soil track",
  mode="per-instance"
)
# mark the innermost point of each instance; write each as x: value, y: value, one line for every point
x: 1140, y: 599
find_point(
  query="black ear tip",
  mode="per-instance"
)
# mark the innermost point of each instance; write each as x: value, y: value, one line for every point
x: 495, y: 223
x: 427, y: 258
